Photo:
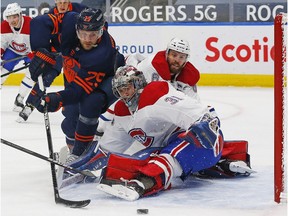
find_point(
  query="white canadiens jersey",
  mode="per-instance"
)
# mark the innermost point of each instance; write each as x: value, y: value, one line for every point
x: 145, y: 65
x: 161, y: 111
x: 17, y: 41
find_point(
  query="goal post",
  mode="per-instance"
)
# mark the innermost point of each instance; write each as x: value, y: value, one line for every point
x: 280, y: 108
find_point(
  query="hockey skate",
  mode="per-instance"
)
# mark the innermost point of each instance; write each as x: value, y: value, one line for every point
x: 25, y: 113
x: 226, y: 168
x: 129, y: 190
x: 69, y: 160
x: 18, y: 103
x: 239, y: 167
x: 80, y: 162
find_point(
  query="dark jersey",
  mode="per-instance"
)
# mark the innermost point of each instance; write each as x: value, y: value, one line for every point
x: 46, y: 29
x: 86, y: 70
x: 77, y: 7
x: 55, y: 38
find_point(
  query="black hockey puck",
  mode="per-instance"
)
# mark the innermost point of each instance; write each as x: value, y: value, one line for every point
x: 142, y: 211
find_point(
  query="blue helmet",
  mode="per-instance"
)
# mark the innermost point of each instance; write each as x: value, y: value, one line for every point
x: 90, y: 19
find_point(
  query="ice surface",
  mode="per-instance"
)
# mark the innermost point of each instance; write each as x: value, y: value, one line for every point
x: 246, y: 113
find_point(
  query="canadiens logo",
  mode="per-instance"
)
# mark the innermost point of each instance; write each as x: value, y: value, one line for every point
x: 19, y: 47
x: 140, y: 136
x: 173, y: 99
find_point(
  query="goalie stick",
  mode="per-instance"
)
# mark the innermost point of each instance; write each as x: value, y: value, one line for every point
x: 50, y: 160
x: 58, y: 199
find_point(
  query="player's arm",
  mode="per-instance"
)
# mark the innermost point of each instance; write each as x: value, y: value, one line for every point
x: 41, y: 28
x: 186, y: 89
x: 5, y: 36
x: 115, y: 138
x: 68, y: 36
x: 55, y: 100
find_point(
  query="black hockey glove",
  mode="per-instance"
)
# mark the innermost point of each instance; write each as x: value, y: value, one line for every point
x: 41, y: 63
x: 53, y: 101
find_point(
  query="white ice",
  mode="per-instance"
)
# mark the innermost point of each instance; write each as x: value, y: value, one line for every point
x: 246, y: 113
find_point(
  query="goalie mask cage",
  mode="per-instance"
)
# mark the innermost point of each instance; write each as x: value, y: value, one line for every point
x: 280, y: 109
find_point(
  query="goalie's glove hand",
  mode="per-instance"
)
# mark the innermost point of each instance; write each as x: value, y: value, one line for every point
x: 53, y: 101
x: 203, y: 132
x: 41, y: 63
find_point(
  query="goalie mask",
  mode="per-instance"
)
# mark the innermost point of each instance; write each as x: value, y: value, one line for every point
x: 128, y: 78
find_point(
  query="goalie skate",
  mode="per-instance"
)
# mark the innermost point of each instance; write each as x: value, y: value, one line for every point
x: 62, y: 156
x: 240, y: 167
x: 128, y: 190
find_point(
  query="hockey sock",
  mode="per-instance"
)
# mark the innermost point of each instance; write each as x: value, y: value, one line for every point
x: 26, y: 86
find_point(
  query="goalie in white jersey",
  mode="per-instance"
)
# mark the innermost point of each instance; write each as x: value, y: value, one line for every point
x: 155, y: 115
x: 15, y: 44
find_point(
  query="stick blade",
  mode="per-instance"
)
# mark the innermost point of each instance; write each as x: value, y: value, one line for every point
x: 73, y: 204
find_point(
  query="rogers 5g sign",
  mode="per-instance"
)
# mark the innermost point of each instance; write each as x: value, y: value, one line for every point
x: 180, y: 13
x: 220, y: 12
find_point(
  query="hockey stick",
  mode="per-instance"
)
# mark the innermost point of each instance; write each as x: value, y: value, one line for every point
x: 58, y: 199
x: 50, y: 160
x: 14, y: 59
x: 14, y: 71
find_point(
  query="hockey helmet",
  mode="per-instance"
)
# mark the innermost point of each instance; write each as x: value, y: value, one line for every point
x: 12, y: 9
x: 90, y: 19
x: 124, y: 76
x: 179, y: 45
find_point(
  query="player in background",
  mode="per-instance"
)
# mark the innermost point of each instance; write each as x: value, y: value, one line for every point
x: 155, y: 115
x: 15, y: 42
x: 171, y: 64
x: 89, y: 61
x: 45, y: 33
x: 62, y: 6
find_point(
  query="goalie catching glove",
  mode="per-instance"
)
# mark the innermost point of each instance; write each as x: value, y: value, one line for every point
x: 53, y: 101
x: 205, y: 133
x: 41, y: 63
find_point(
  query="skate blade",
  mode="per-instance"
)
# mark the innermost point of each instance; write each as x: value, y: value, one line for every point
x: 119, y: 191
x: 20, y: 120
x: 241, y: 169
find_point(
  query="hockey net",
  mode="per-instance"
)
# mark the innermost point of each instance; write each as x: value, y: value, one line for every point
x: 280, y: 109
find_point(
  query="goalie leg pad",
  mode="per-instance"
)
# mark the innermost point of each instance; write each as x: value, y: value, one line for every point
x: 125, y: 166
x: 87, y: 155
x: 151, y: 174
x: 235, y: 161
x: 235, y: 150
x: 160, y: 168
